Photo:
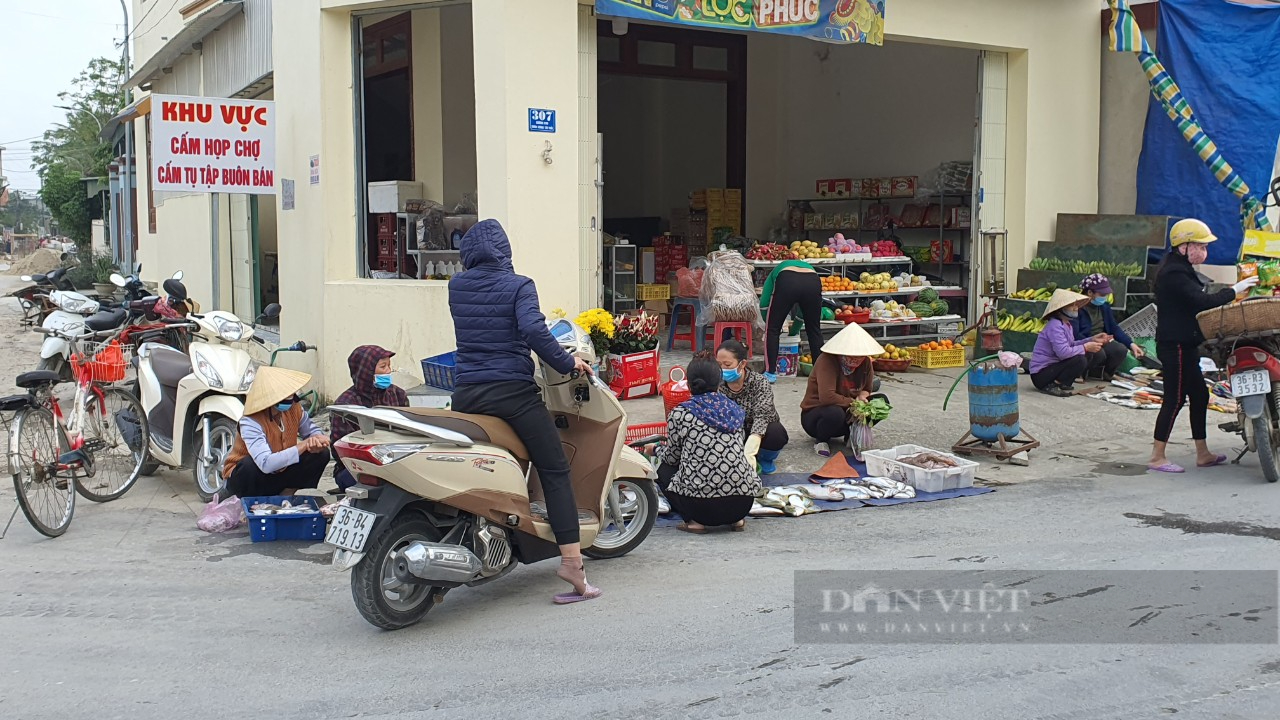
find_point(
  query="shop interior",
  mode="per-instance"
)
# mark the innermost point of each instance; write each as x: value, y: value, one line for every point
x: 683, y: 113
x: 417, y: 91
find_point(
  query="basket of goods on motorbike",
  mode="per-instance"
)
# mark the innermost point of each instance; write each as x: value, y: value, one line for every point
x: 283, y: 517
x: 923, y: 469
x: 893, y: 359
x: 938, y: 354
x: 1240, y: 318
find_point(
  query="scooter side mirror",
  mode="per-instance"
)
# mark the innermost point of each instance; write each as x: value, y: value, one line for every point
x: 137, y: 269
x: 27, y: 278
x: 271, y: 311
x: 118, y: 280
x: 176, y: 276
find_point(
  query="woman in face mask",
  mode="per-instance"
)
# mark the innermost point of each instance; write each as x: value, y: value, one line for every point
x: 279, y: 450
x: 765, y: 435
x: 1059, y: 358
x: 1096, y: 322
x: 371, y: 386
x: 1180, y: 296
x: 842, y: 374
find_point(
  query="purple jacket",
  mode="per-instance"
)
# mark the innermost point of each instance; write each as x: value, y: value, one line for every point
x: 1057, y: 342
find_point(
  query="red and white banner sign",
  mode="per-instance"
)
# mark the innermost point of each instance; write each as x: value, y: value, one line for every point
x: 213, y: 145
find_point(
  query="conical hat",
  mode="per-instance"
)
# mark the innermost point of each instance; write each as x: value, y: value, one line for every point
x: 271, y: 385
x: 1062, y: 298
x: 853, y: 341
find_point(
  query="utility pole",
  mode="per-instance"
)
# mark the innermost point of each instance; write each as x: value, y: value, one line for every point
x: 126, y: 187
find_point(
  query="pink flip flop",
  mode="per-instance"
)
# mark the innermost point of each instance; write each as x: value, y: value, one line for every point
x: 1216, y: 461
x: 1168, y: 468
x: 592, y: 593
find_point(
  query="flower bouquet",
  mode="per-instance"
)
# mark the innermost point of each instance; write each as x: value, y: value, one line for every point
x: 633, y: 356
x: 599, y: 324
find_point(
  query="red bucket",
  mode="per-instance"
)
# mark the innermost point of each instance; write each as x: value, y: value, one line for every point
x: 671, y: 397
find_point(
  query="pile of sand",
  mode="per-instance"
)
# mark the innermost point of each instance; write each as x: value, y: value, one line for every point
x: 40, y: 262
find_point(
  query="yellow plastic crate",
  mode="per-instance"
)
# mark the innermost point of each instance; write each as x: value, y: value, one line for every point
x: 932, y: 359
x: 653, y: 292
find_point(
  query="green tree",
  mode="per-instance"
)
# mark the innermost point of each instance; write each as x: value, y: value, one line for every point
x: 74, y: 149
x: 22, y: 213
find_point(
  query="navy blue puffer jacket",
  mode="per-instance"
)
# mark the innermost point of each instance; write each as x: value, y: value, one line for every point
x: 496, y: 318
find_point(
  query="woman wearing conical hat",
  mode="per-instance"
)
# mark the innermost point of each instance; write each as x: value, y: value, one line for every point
x: 279, y: 450
x: 842, y: 374
x: 1058, y: 358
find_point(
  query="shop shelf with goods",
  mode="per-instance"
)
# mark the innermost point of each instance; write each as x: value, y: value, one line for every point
x: 1115, y: 246
x: 621, y: 265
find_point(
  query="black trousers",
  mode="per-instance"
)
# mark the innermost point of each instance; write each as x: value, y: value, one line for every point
x: 775, y: 437
x: 790, y: 289
x: 725, y: 510
x: 1108, y: 359
x: 1063, y: 372
x: 828, y: 422
x: 520, y: 404
x: 248, y: 480
x: 1183, y: 382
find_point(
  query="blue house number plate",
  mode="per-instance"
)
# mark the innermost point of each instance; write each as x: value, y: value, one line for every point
x: 541, y: 120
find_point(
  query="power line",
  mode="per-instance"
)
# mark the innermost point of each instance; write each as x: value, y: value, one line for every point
x: 135, y: 32
x: 65, y: 19
x: 15, y: 142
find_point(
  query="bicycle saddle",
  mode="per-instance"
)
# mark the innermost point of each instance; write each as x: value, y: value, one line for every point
x: 37, y: 378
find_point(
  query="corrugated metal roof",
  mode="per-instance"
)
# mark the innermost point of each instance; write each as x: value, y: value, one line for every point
x: 193, y: 32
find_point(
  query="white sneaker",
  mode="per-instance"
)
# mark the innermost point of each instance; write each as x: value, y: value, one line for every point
x: 822, y: 449
x: 664, y: 507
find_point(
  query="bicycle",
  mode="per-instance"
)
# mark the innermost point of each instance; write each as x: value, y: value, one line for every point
x: 310, y: 399
x: 99, y: 450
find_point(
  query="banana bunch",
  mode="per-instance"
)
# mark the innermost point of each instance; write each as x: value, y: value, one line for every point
x: 1084, y: 267
x: 1040, y: 294
x: 1025, y: 322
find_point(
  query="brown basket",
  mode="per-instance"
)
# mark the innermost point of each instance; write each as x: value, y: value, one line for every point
x: 891, y: 365
x: 1240, y: 318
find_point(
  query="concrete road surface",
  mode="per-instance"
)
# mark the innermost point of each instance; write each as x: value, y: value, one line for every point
x: 136, y: 614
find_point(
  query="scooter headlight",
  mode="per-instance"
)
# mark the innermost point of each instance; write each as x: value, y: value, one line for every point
x: 249, y: 375
x: 205, y: 368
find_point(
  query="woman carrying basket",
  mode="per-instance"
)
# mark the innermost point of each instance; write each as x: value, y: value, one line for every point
x: 1180, y: 296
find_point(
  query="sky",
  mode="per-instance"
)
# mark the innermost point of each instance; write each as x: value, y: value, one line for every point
x: 43, y: 46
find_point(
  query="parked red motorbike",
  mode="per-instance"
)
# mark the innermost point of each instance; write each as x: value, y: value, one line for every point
x: 1254, y: 373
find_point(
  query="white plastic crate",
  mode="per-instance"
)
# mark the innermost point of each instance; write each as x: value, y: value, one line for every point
x: 884, y: 463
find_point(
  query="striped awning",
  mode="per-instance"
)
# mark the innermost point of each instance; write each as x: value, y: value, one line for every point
x: 1126, y: 36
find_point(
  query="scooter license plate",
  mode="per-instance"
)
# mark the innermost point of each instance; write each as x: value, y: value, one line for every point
x: 350, y: 529
x: 1250, y: 382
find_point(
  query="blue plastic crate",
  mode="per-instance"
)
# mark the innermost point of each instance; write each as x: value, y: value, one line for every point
x: 438, y: 371
x: 269, y: 528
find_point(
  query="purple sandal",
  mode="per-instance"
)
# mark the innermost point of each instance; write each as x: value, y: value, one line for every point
x: 1168, y: 468
x: 1216, y: 461
x: 592, y: 593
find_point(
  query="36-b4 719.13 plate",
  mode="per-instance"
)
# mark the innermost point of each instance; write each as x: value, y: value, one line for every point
x: 1250, y: 382
x: 350, y: 529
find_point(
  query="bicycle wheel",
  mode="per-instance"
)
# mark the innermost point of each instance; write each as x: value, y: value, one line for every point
x: 116, y: 437
x: 35, y: 443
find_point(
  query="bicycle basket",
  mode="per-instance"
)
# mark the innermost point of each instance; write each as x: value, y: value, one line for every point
x: 107, y: 366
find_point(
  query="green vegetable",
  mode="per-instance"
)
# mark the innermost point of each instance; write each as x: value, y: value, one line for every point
x: 869, y: 411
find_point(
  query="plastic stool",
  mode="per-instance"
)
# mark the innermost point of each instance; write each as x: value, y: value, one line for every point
x: 691, y: 337
x: 738, y: 329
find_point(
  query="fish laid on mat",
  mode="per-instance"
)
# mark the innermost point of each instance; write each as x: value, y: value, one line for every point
x: 821, y: 492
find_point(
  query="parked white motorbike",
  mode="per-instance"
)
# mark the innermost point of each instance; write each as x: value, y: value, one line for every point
x: 75, y: 315
x: 194, y: 400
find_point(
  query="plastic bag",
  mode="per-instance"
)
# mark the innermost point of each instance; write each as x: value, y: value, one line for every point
x: 728, y: 293
x: 688, y: 282
x: 861, y: 437
x: 221, y: 516
x: 1269, y: 273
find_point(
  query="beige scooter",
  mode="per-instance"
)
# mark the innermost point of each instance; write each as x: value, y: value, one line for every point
x: 447, y: 499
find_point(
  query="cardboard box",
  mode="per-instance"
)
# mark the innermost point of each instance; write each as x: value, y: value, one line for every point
x: 870, y: 188
x: 635, y: 375
x: 1262, y: 244
x: 392, y: 196
x: 904, y: 187
x: 835, y: 188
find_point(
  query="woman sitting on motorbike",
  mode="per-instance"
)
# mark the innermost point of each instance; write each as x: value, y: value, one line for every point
x: 279, y: 450
x: 765, y: 435
x: 702, y: 470
x: 496, y: 321
x: 370, y: 387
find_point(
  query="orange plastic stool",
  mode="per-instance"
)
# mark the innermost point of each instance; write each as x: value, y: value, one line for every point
x: 741, y: 331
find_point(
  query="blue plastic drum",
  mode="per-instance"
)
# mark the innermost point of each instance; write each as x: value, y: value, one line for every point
x: 993, y: 403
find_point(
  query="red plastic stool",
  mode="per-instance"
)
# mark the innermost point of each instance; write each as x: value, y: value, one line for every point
x: 673, y: 334
x: 741, y: 331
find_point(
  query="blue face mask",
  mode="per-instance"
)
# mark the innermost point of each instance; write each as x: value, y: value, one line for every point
x: 284, y: 406
x: 731, y: 375
x: 382, y: 382
x: 1100, y: 301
